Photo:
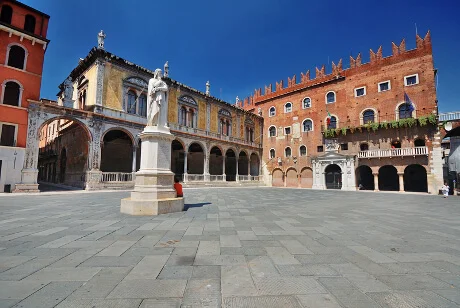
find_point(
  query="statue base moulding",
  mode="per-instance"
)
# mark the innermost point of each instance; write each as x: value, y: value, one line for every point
x: 154, y: 192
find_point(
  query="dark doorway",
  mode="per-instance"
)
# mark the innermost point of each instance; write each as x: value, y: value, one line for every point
x: 117, y: 152
x: 62, y: 166
x: 415, y: 178
x: 388, y: 178
x: 216, y: 161
x: 333, y: 177
x: 195, y: 159
x: 396, y: 144
x: 177, y: 158
x: 230, y: 165
x: 254, y: 161
x: 419, y: 143
x: 243, y: 163
x: 364, y: 178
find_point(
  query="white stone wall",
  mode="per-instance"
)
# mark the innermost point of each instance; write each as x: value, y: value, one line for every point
x: 12, y: 162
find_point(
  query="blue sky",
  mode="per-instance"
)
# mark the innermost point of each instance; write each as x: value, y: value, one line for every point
x: 242, y: 45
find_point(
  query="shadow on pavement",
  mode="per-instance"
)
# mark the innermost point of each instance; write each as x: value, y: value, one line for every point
x: 189, y: 206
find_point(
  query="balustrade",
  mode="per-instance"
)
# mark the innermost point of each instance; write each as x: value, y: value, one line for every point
x: 400, y: 152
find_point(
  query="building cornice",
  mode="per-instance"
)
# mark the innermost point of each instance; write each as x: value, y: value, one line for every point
x: 24, y: 35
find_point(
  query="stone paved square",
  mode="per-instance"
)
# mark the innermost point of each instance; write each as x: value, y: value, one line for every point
x: 233, y: 247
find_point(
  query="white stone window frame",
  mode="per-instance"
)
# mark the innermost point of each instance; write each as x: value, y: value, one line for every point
x: 290, y: 130
x: 416, y: 78
x: 285, y: 151
x: 269, y: 111
x: 335, y: 97
x: 365, y: 91
x: 130, y: 84
x: 306, y: 150
x: 16, y: 127
x: 414, y: 112
x: 21, y: 90
x: 276, y: 131
x: 285, y: 107
x: 337, y: 119
x: 382, y: 82
x: 269, y: 153
x: 361, y: 115
x: 312, y: 125
x: 8, y: 56
x: 303, y: 105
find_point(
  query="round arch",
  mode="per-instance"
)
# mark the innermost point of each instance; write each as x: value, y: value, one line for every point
x: 335, y: 97
x: 415, y: 178
x: 63, y: 147
x: 414, y: 112
x: 291, y: 177
x: 216, y: 160
x: 361, y: 115
x: 364, y: 178
x: 21, y: 90
x: 254, y: 164
x: 306, y: 177
x: 277, y: 177
x: 312, y: 125
x: 128, y: 133
x: 230, y: 164
x: 306, y: 102
x: 337, y: 121
x: 269, y: 130
x: 388, y: 178
x: 26, y: 54
x: 177, y: 158
x: 243, y: 163
x: 117, y: 151
x: 333, y: 174
x: 195, y: 158
x: 269, y: 111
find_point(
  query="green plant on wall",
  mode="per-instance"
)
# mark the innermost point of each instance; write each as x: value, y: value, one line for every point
x: 432, y: 119
x: 384, y: 125
x: 411, y: 122
x: 352, y: 129
x: 422, y: 121
x: 374, y: 126
x: 394, y: 124
x: 344, y: 131
x: 337, y: 131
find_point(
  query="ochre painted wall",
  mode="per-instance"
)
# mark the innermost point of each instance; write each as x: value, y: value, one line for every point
x: 113, y: 86
x: 172, y: 105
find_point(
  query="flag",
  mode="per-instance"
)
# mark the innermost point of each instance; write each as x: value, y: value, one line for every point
x: 409, y: 103
x: 328, y: 119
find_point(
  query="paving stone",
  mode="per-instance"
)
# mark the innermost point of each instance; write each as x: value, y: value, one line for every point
x: 49, y: 274
x: 175, y: 272
x: 218, y: 260
x: 306, y: 270
x: 49, y: 231
x: 149, y: 288
x: 240, y: 274
x: 162, y: 303
x: 261, y: 302
x: 318, y: 301
x: 413, y: 282
x: 202, y: 293
x: 414, y: 299
x: 100, y: 303
x: 7, y: 262
x: 148, y: 268
x: 451, y: 294
x: 229, y: 241
x: 111, y: 261
x: 320, y: 259
x: 50, y: 295
x: 366, y: 282
x: 61, y: 241
x: 116, y: 249
x: 206, y: 272
x: 19, y: 289
x: 287, y: 285
x: 280, y: 255
x: 295, y: 247
x: 351, y: 298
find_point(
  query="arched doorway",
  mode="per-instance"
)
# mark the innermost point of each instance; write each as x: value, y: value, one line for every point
x: 177, y: 158
x: 333, y: 175
x: 254, y: 161
x: 62, y: 165
x: 388, y: 178
x: 291, y: 178
x: 195, y: 159
x: 278, y: 178
x: 415, y: 178
x: 243, y: 163
x: 230, y: 165
x: 364, y: 178
x: 216, y: 161
x: 63, y: 145
x: 306, y: 178
x: 117, y: 152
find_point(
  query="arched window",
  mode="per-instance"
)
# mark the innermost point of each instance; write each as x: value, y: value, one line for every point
x: 182, y: 116
x: 307, y: 125
x: 364, y: 147
x: 303, y: 150
x: 288, y: 107
x: 419, y: 142
x: 306, y: 103
x: 272, y: 131
x: 272, y: 153
x: 330, y: 97
x: 29, y: 24
x: 332, y: 123
x: 6, y: 14
x: 368, y: 116
x: 287, y: 152
x: 16, y: 57
x: 405, y: 111
x: 143, y: 105
x: 12, y: 94
x: 188, y: 111
x: 272, y: 111
x: 131, y: 102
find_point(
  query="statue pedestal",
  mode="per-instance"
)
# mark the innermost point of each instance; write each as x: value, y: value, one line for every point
x: 154, y: 192
x: 28, y: 181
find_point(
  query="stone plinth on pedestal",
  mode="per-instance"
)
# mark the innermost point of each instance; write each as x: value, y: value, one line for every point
x: 154, y: 192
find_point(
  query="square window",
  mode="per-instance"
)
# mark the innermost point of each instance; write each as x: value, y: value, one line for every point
x: 411, y: 80
x: 287, y: 130
x: 8, y: 133
x: 384, y: 86
x: 320, y: 148
x: 360, y: 92
x: 344, y: 146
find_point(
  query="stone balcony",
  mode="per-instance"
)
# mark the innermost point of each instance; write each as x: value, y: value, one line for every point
x: 401, y: 152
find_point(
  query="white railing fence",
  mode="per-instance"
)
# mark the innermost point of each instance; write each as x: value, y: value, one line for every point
x: 449, y: 116
x: 393, y: 152
x: 216, y: 178
x: 117, y: 177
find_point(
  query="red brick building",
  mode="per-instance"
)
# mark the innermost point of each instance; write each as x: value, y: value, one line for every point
x: 22, y: 49
x: 382, y: 128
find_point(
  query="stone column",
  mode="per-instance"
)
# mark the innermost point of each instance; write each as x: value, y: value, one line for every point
x: 185, y: 166
x: 206, y: 166
x: 376, y: 181
x: 134, y: 158
x: 94, y: 174
x: 401, y: 181
x: 249, y: 166
x: 223, y: 168
x: 237, y: 158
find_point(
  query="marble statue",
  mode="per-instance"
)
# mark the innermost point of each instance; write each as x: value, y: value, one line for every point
x: 68, y: 89
x: 157, y: 105
x: 100, y: 40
